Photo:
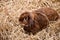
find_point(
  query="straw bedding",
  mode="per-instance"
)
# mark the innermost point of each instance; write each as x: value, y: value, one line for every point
x: 10, y: 28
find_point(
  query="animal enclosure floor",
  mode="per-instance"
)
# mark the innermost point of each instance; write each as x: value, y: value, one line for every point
x: 10, y: 28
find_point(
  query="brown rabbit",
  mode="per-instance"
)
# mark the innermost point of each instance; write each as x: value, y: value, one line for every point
x: 33, y: 21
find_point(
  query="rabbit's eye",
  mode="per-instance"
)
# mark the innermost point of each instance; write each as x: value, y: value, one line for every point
x: 26, y: 18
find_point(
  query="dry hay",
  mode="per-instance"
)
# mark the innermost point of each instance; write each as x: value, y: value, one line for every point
x: 10, y: 28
